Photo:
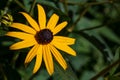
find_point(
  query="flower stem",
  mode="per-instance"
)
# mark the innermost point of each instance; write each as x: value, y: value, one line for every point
x: 107, y: 23
x: 20, y: 4
x: 78, y: 19
x: 65, y: 6
x: 104, y: 71
x: 32, y: 7
x: 90, y: 3
x: 87, y: 6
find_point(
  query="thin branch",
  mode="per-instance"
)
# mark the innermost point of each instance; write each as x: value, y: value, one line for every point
x: 65, y: 6
x: 98, y: 3
x: 90, y: 3
x: 20, y: 4
x: 104, y: 71
x: 87, y: 5
x: 78, y: 19
x: 101, y: 25
x: 32, y: 7
x: 91, y: 28
x: 83, y: 13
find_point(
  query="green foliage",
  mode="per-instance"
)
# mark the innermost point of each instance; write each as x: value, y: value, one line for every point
x: 116, y: 57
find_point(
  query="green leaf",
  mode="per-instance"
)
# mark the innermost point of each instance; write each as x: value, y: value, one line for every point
x: 42, y: 75
x: 108, y: 33
x: 61, y: 74
x: 27, y: 4
x: 98, y: 43
x: 81, y: 45
x: 79, y: 61
x: 86, y: 75
x: 116, y: 57
x: 10, y: 73
x: 114, y: 78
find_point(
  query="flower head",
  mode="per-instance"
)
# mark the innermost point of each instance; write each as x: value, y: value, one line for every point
x: 42, y: 37
x: 6, y: 19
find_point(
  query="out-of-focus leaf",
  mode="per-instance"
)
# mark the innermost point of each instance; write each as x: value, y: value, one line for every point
x: 86, y: 75
x: 99, y: 61
x: 2, y: 32
x: 81, y: 45
x: 42, y: 75
x: 114, y: 78
x: 46, y: 2
x: 117, y: 74
x: 27, y: 74
x: 106, y: 32
x: 116, y: 57
x: 79, y: 61
x: 98, y: 43
x: 8, y: 70
x: 5, y: 42
x: 27, y: 4
x: 77, y: 1
x: 61, y: 74
x: 26, y: 71
x: 86, y: 23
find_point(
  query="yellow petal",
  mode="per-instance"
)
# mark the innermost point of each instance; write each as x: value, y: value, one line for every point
x: 65, y: 40
x: 41, y: 17
x: 31, y: 54
x: 23, y: 44
x: 38, y: 59
x: 48, y: 59
x: 65, y: 48
x: 58, y: 56
x: 23, y: 27
x: 31, y: 21
x: 59, y: 27
x: 52, y: 22
x: 20, y: 35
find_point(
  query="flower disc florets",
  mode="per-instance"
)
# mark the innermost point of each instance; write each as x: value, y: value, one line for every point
x: 44, y: 36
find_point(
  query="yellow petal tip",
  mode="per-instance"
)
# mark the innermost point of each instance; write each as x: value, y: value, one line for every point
x: 65, y: 67
x: 55, y: 15
x: 65, y: 22
x: 74, y: 54
x: 25, y: 64
x: 51, y: 73
x: 34, y: 72
x: 22, y: 13
x: 38, y: 5
x: 11, y: 48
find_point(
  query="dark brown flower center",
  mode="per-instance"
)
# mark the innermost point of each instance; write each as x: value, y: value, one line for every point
x: 44, y: 36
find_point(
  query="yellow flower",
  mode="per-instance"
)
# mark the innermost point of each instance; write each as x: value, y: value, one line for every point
x: 42, y: 37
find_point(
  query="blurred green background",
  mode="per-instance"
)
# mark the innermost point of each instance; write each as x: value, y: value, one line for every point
x: 95, y: 24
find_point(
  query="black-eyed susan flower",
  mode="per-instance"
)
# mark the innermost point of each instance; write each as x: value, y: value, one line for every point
x: 42, y: 37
